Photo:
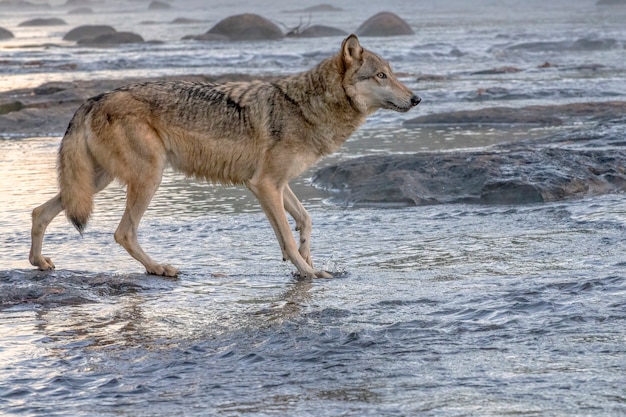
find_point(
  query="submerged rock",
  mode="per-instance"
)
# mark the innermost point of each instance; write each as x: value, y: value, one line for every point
x: 496, y: 71
x: 611, y: 3
x: 499, y: 176
x: 209, y: 37
x: 115, y: 38
x: 530, y: 115
x: 324, y: 8
x: 245, y: 27
x: 52, y: 21
x: 5, y: 34
x: 81, y: 10
x: 317, y: 31
x: 88, y: 31
x: 23, y: 4
x: 581, y: 44
x: 384, y: 24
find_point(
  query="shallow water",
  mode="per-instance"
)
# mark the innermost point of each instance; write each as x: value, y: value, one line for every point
x: 445, y: 310
x: 442, y: 310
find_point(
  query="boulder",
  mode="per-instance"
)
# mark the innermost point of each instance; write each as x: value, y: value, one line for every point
x: 88, y: 31
x: 384, y: 24
x: 246, y: 27
x: 5, y: 34
x: 115, y: 38
x: 501, y: 176
x: 317, y: 31
x: 52, y: 21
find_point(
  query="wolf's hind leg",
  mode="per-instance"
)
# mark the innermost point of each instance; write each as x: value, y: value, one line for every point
x: 42, y: 216
x: 138, y: 197
x: 303, y: 222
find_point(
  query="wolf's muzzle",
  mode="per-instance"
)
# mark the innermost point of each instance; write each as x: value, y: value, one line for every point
x: 415, y: 100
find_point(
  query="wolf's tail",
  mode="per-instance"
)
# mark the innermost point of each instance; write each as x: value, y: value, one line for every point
x: 76, y: 172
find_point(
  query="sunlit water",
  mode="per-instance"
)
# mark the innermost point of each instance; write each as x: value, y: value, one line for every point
x: 442, y: 310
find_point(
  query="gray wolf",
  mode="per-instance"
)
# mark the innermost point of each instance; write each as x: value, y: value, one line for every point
x: 261, y: 134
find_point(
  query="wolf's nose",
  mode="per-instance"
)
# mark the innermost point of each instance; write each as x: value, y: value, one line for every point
x: 415, y: 100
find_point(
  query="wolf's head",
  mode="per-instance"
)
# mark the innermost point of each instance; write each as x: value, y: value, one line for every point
x: 369, y: 81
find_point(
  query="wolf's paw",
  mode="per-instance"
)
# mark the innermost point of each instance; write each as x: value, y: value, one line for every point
x: 313, y: 274
x: 163, y: 270
x: 43, y: 263
x: 323, y: 274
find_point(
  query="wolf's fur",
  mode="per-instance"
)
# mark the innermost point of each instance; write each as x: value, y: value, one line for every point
x: 261, y: 134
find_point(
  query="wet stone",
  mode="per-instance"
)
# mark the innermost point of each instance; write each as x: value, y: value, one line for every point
x: 503, y: 175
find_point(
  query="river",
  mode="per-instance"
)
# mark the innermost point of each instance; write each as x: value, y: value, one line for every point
x: 443, y: 310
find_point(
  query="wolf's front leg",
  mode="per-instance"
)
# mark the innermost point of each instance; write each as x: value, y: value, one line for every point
x: 270, y: 197
x: 303, y: 222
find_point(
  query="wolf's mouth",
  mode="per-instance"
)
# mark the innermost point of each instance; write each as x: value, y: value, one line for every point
x: 394, y: 106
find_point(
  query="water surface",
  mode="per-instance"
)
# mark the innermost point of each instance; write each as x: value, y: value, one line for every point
x: 448, y: 310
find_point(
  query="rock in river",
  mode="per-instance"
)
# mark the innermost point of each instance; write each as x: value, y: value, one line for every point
x: 502, y: 175
x: 52, y: 21
x: 384, y: 24
x: 546, y: 169
x: 5, y: 34
x: 247, y: 26
x: 88, y: 31
x: 552, y: 115
x: 115, y: 38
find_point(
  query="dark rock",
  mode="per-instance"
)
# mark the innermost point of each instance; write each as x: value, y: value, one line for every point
x: 11, y: 106
x: 77, y: 3
x: 501, y: 176
x: 321, y: 8
x: 247, y: 26
x: 488, y: 116
x: 531, y: 115
x: 23, y: 4
x: 115, y: 38
x: 51, y: 88
x: 209, y: 37
x: 184, y: 21
x: 317, y: 31
x: 5, y: 34
x: 496, y: 71
x: 81, y: 10
x: 581, y: 44
x: 384, y: 24
x: 432, y: 77
x: 545, y: 169
x: 52, y: 21
x: 158, y: 5
x: 88, y: 31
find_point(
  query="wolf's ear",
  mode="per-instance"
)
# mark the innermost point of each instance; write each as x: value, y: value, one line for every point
x: 351, y: 50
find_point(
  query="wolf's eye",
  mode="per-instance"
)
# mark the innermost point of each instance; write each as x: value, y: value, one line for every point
x: 381, y: 75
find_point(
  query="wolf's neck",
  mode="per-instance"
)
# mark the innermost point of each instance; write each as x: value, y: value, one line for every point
x: 322, y: 99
